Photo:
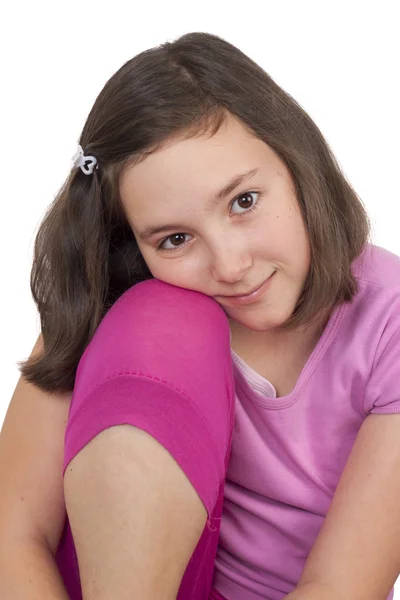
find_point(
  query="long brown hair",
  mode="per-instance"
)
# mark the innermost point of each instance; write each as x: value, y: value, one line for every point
x: 85, y: 253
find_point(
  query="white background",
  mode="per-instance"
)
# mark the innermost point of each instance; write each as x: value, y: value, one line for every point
x: 339, y: 59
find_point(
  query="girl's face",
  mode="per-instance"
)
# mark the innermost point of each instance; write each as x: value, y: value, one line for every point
x: 193, y: 235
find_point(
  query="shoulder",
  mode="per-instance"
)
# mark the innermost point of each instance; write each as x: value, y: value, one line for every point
x: 370, y: 329
x: 374, y: 312
x: 378, y: 267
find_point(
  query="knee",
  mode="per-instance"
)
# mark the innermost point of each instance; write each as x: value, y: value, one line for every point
x: 155, y: 317
x: 156, y: 305
x: 172, y: 333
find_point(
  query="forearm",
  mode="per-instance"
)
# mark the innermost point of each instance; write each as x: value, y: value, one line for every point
x: 314, y: 591
x: 28, y: 570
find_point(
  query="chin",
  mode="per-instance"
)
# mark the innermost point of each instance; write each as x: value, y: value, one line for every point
x: 260, y: 320
x: 256, y: 324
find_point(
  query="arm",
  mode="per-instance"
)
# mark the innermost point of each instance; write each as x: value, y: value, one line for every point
x: 28, y: 571
x: 357, y: 553
x: 134, y: 515
x: 32, y: 508
x: 314, y: 591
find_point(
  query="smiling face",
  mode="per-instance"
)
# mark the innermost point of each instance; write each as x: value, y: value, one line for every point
x: 221, y: 244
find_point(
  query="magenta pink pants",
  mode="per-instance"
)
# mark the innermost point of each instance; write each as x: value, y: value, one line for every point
x: 160, y: 360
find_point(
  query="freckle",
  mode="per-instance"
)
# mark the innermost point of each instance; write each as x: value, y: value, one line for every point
x: 22, y: 497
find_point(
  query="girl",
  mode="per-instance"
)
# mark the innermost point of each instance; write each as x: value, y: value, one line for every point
x: 207, y: 291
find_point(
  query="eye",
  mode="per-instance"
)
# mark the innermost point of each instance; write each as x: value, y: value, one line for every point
x: 249, y: 203
x: 177, y: 240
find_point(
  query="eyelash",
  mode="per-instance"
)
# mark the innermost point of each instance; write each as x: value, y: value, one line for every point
x: 246, y: 212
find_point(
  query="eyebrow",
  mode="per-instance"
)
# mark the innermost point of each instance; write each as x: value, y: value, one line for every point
x: 226, y: 190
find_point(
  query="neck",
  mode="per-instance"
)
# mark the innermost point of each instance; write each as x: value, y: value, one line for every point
x: 301, y: 340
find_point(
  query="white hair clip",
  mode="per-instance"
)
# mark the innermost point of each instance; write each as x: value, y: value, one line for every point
x: 80, y: 160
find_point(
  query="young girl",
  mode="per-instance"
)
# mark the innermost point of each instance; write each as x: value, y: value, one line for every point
x: 207, y: 291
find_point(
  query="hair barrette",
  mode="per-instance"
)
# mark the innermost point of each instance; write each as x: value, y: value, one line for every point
x: 80, y: 160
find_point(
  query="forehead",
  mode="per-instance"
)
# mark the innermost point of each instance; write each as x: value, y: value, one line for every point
x: 196, y: 161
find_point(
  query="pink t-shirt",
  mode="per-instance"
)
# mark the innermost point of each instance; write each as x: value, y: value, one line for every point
x: 288, y: 453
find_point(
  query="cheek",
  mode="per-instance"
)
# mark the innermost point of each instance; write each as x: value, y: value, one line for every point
x: 300, y: 252
x: 176, y: 271
x: 284, y: 238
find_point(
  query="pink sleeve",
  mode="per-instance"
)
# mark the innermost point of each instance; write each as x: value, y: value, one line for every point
x: 383, y: 389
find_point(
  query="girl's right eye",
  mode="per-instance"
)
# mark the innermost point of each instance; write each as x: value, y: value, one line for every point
x: 176, y: 237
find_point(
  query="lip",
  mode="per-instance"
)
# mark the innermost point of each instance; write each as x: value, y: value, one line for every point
x: 249, y: 298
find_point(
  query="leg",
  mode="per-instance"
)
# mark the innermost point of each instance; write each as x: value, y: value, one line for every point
x: 159, y: 337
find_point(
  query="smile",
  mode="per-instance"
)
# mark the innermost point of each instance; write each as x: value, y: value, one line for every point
x: 248, y: 298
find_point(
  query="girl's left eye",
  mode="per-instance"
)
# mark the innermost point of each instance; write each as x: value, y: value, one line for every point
x: 248, y: 199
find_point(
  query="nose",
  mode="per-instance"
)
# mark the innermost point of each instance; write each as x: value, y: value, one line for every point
x: 230, y: 263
